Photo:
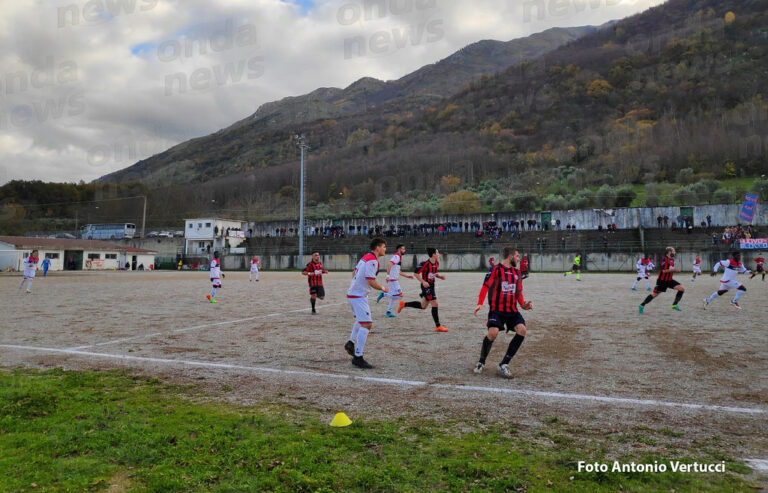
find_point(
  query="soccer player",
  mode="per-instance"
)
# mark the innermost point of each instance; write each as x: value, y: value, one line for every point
x: 730, y: 269
x: 393, y: 280
x: 665, y: 281
x: 426, y: 273
x: 30, y: 268
x: 314, y: 272
x: 759, y: 267
x: 575, y: 268
x: 524, y: 267
x: 254, y: 274
x: 216, y: 276
x: 504, y: 283
x: 696, y: 267
x: 363, y: 280
x: 46, y: 264
x: 642, y: 266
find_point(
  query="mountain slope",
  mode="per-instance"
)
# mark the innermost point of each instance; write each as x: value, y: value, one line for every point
x: 425, y: 86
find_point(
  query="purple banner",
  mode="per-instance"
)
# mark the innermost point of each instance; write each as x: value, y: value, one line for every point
x: 748, y: 209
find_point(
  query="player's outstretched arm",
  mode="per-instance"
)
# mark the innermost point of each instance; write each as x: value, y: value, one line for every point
x: 440, y: 276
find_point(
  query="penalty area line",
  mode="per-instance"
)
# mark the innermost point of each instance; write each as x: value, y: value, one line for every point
x: 188, y: 329
x: 399, y: 382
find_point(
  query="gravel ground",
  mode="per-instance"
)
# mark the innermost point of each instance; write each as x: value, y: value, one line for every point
x: 584, y: 338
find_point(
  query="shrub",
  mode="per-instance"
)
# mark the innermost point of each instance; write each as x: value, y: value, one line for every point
x: 625, y: 194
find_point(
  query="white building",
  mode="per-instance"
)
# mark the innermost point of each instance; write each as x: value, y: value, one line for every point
x: 205, y: 236
x: 68, y: 254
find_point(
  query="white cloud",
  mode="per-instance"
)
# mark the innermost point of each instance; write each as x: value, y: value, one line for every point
x: 84, y: 93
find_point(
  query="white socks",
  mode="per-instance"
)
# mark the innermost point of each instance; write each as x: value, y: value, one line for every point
x: 355, y: 329
x: 362, y: 335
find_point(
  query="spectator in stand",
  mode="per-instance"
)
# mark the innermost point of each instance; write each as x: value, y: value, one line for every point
x: 709, y: 221
x: 666, y: 221
x: 659, y: 220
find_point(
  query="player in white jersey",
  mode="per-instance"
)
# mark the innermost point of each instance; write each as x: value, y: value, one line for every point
x: 696, y: 268
x: 731, y: 268
x: 644, y: 264
x: 216, y: 277
x: 393, y: 280
x: 363, y: 280
x: 30, y: 269
x: 254, y: 274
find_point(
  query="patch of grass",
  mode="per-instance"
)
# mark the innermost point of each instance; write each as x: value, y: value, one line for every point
x: 76, y: 431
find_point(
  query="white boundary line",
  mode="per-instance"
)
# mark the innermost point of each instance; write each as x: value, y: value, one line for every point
x: 187, y: 329
x: 403, y: 383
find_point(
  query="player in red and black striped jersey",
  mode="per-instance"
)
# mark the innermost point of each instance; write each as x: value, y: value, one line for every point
x: 759, y: 266
x: 504, y: 288
x: 524, y: 266
x: 426, y: 273
x: 314, y: 272
x: 665, y: 281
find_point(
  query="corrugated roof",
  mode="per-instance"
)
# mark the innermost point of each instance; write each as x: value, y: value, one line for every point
x: 68, y: 244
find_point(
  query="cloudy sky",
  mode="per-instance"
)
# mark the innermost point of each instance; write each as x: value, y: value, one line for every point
x: 88, y: 87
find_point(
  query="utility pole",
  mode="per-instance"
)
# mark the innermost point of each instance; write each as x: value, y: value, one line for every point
x: 144, y: 217
x: 302, y: 143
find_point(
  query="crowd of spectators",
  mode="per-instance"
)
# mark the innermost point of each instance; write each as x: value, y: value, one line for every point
x: 732, y: 234
x: 493, y: 229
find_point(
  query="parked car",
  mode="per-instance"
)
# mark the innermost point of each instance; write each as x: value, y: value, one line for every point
x: 165, y: 234
x: 153, y: 234
x: 178, y: 234
x: 66, y: 235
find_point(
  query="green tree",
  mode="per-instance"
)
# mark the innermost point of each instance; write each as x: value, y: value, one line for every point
x: 625, y: 194
x: 524, y: 201
x: 760, y: 187
x: 605, y: 196
x: 723, y: 196
x: 652, y: 194
x: 554, y: 202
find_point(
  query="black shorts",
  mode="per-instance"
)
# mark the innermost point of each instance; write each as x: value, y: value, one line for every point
x: 759, y: 269
x: 502, y: 319
x: 524, y: 274
x: 428, y: 293
x: 575, y: 267
x: 662, y: 286
x: 317, y: 290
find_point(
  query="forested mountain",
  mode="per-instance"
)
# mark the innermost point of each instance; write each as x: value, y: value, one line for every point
x: 674, y: 94
x: 259, y: 140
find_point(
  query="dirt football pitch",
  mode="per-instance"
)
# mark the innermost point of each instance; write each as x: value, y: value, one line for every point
x: 589, y: 359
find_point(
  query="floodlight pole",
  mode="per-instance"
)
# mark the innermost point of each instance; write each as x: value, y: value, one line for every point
x: 302, y: 143
x: 144, y: 218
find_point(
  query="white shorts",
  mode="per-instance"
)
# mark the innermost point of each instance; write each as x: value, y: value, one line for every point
x: 696, y: 269
x: 29, y: 274
x: 361, y: 309
x: 642, y: 273
x: 394, y: 288
x: 728, y: 285
x: 216, y: 283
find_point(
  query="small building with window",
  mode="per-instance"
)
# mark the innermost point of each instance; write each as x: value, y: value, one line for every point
x: 202, y: 237
x: 66, y: 254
